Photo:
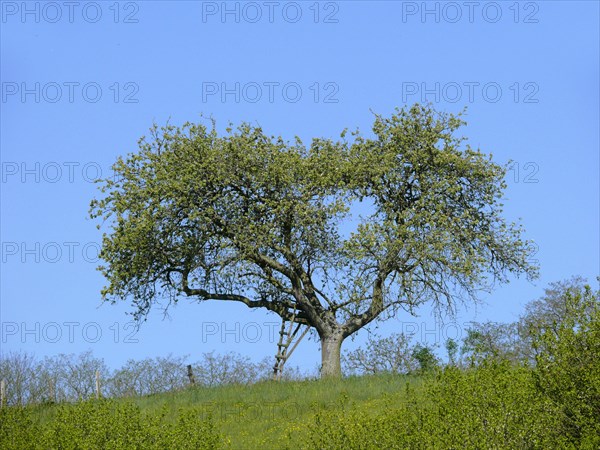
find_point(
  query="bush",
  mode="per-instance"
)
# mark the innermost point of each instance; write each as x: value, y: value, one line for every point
x: 390, y: 354
x: 17, y: 431
x: 567, y: 366
x: 491, y: 406
x: 107, y: 424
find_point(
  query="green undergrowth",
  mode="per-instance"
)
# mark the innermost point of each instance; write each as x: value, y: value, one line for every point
x: 495, y: 405
x: 264, y: 415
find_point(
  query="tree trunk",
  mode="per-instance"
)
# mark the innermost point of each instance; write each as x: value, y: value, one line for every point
x: 330, y: 356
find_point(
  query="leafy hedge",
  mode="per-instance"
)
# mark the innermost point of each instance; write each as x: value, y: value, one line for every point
x: 492, y: 406
x: 106, y: 424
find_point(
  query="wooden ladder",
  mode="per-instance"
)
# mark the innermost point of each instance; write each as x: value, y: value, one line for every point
x: 288, y: 341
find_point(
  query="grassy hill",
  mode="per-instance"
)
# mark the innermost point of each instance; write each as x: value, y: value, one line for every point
x: 494, y: 405
x: 268, y: 414
x: 488, y: 401
x: 277, y: 415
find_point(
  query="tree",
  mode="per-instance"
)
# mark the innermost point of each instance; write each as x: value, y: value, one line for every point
x: 567, y: 354
x: 74, y: 376
x: 492, y: 340
x: 231, y: 368
x: 452, y: 350
x: 425, y: 358
x: 58, y: 378
x: 148, y: 376
x: 19, y: 370
x: 381, y: 354
x: 254, y: 219
x: 547, y: 313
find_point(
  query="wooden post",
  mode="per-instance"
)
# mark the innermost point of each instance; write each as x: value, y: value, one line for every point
x: 190, y: 375
x: 2, y: 392
x: 97, y: 385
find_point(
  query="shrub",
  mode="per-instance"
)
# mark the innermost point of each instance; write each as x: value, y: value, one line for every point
x: 94, y: 424
x: 17, y: 431
x: 491, y: 406
x: 567, y: 366
x: 106, y: 424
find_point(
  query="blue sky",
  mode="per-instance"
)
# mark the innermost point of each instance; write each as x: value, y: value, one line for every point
x: 81, y: 84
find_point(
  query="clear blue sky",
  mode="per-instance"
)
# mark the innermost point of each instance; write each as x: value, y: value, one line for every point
x: 81, y: 83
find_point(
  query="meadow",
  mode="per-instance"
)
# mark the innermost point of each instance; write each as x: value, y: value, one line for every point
x: 493, y: 405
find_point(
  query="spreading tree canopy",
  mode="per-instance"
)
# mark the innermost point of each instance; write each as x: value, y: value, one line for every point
x: 252, y: 218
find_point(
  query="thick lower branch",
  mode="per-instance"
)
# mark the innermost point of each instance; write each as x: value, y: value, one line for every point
x: 283, y: 309
x: 376, y: 307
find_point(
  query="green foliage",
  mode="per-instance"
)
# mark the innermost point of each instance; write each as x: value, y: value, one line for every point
x: 496, y: 402
x: 548, y: 312
x: 17, y: 429
x: 106, y: 424
x: 425, y: 357
x: 492, y: 406
x: 568, y: 365
x: 90, y: 424
x: 490, y: 340
x: 452, y: 350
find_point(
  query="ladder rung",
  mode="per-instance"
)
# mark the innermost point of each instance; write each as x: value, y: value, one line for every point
x: 287, y: 334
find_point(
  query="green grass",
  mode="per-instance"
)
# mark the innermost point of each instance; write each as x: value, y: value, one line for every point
x: 494, y: 405
x: 271, y: 414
